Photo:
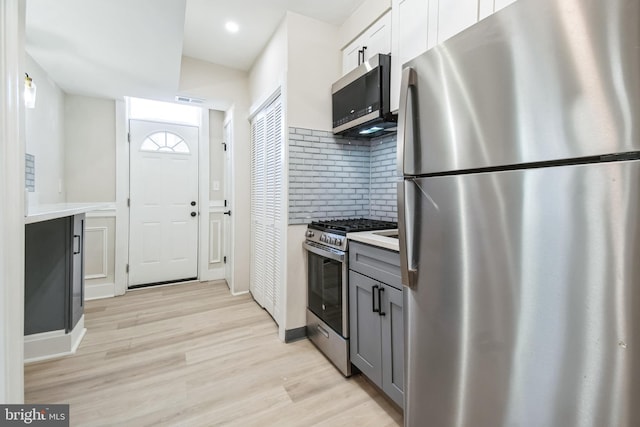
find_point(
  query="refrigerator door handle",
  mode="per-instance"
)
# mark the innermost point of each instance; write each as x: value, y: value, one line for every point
x: 406, y: 129
x: 407, y: 232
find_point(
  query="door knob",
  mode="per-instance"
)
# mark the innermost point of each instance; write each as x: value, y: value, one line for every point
x: 193, y: 214
x: 193, y: 203
x: 227, y: 213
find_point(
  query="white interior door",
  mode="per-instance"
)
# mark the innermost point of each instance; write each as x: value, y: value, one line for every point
x: 228, y: 238
x: 163, y: 242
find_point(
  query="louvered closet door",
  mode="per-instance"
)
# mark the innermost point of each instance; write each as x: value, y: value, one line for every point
x: 258, y: 187
x: 267, y: 211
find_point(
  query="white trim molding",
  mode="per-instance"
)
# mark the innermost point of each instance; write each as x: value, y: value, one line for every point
x: 203, y: 195
x: 12, y: 184
x: 122, y: 193
x: 108, y: 211
x: 54, y: 344
x: 215, y: 225
x: 99, y: 291
x: 103, y: 274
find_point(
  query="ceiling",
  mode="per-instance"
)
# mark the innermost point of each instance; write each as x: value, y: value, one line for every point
x: 206, y: 38
x: 116, y: 48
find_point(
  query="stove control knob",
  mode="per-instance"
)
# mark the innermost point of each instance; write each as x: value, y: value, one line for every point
x: 323, y: 238
x: 338, y: 242
x: 310, y: 233
x: 332, y: 240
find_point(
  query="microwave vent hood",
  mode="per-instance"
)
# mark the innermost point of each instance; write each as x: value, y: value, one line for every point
x: 360, y: 100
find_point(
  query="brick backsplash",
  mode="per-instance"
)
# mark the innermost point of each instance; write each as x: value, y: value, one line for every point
x: 333, y: 177
x: 30, y: 173
x: 384, y: 177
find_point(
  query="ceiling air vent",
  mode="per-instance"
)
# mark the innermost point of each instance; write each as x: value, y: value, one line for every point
x: 189, y: 100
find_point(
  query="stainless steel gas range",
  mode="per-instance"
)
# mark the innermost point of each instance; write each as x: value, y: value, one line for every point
x: 328, y: 285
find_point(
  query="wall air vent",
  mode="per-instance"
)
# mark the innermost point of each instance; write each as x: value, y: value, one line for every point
x: 189, y: 100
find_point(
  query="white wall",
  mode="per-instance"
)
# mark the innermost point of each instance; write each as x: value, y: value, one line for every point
x: 314, y: 64
x: 221, y: 87
x: 227, y: 90
x: 90, y: 176
x: 269, y: 71
x: 296, y: 297
x: 90, y: 149
x: 44, y: 132
x: 363, y: 17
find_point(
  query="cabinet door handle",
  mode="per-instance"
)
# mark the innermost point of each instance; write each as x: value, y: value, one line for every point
x: 360, y: 54
x: 74, y: 244
x: 364, y: 48
x: 373, y: 299
x: 380, y: 291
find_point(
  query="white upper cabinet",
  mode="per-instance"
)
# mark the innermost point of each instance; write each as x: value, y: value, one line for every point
x: 375, y: 39
x: 351, y: 57
x: 488, y: 7
x: 416, y: 26
x: 454, y: 16
x: 485, y: 8
x: 410, y: 37
x: 413, y: 34
x: 499, y: 4
x: 378, y: 37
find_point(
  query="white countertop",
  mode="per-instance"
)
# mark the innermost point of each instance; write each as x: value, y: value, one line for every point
x: 377, y: 238
x: 38, y: 213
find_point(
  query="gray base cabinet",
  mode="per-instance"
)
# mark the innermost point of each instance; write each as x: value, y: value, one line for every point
x: 54, y: 274
x: 376, y: 319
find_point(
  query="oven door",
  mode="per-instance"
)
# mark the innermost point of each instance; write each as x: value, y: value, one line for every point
x: 327, y: 294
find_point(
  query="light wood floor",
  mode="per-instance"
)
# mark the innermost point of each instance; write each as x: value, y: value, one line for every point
x: 193, y: 355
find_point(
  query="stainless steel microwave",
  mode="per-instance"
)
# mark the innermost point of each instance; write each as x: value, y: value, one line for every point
x: 360, y: 100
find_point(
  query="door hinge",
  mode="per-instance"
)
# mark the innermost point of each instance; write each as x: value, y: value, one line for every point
x: 129, y: 137
x: 224, y: 259
x: 127, y: 268
x: 128, y: 203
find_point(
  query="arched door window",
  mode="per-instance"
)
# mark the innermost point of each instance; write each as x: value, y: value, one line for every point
x: 165, y: 142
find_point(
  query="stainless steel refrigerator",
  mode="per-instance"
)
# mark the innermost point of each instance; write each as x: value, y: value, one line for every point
x: 519, y: 219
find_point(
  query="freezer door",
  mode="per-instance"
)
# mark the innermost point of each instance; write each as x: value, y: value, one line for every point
x: 538, y: 81
x: 526, y: 306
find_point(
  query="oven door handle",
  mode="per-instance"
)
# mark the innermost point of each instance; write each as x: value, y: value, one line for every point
x: 323, y: 253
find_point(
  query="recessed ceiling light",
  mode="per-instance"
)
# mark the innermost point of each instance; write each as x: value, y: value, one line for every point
x: 232, y: 27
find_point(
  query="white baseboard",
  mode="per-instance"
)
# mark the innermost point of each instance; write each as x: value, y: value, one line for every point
x: 54, y: 344
x: 99, y: 291
x: 212, y: 274
x: 235, y: 294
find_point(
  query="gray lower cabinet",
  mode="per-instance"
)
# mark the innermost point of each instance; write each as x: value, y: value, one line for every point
x: 376, y: 319
x: 54, y: 274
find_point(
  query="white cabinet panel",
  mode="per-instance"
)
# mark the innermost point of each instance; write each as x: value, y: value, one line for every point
x: 454, y: 16
x: 350, y: 57
x: 413, y: 31
x: 410, y: 35
x: 499, y: 4
x: 485, y: 8
x: 374, y: 40
x: 377, y: 39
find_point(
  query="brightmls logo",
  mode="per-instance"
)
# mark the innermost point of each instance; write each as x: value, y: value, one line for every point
x: 34, y: 415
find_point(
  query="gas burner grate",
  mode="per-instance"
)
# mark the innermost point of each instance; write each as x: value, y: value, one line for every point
x: 343, y: 226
